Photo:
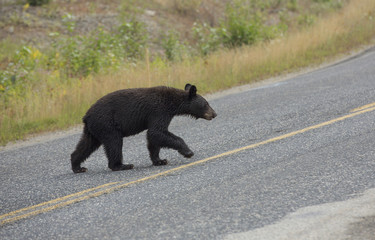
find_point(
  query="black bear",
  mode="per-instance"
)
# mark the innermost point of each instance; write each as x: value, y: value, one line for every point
x: 130, y: 111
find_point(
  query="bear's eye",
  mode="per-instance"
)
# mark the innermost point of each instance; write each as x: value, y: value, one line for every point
x: 204, y: 105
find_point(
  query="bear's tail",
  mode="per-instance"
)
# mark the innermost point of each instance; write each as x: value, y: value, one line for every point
x: 85, y: 147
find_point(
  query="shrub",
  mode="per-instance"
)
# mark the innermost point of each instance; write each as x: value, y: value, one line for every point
x: 174, y: 50
x: 133, y: 39
x: 82, y: 55
x: 244, y: 26
x: 73, y: 56
x: 17, y: 73
x: 37, y: 2
x: 186, y: 7
x: 207, y: 38
x: 237, y: 31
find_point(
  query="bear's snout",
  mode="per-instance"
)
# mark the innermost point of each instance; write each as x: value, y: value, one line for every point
x: 210, y: 115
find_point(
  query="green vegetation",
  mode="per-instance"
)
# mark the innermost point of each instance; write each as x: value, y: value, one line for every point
x: 75, y: 56
x: 49, y: 85
x: 84, y: 55
x: 38, y: 2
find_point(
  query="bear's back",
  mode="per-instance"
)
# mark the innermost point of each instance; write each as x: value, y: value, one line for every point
x: 133, y: 110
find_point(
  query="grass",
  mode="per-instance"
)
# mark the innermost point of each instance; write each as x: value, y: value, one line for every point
x: 63, y: 103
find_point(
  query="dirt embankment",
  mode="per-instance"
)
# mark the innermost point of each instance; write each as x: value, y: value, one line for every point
x: 32, y: 25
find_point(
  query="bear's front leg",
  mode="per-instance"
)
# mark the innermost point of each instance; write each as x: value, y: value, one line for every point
x: 164, y: 139
x: 180, y: 144
x: 154, y: 155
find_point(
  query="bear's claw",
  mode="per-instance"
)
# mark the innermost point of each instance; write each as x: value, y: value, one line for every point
x: 79, y: 170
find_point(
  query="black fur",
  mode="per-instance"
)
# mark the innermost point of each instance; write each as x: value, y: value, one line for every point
x: 130, y: 111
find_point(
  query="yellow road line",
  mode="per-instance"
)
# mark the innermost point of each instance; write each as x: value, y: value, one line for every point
x: 363, y: 107
x: 56, y: 200
x: 119, y: 185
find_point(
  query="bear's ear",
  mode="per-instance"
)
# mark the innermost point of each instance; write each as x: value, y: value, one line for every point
x: 187, y: 87
x: 192, y: 92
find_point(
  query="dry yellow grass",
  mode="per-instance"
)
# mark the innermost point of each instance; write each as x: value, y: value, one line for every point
x: 63, y: 104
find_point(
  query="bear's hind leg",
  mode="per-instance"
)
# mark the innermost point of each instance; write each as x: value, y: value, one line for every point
x: 113, y: 150
x: 86, y: 145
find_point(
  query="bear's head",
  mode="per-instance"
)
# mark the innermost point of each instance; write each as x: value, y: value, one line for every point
x: 198, y: 107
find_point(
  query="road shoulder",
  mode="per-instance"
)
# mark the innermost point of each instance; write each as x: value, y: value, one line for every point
x: 350, y: 219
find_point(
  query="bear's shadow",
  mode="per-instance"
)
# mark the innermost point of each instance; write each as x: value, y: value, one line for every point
x: 144, y: 169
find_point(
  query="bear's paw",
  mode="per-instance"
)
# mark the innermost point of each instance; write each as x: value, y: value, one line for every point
x: 79, y: 170
x: 123, y: 167
x: 160, y: 162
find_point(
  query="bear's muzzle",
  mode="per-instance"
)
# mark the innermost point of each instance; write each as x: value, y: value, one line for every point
x: 210, y: 115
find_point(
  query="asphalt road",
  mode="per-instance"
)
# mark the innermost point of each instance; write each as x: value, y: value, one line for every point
x: 286, y: 160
